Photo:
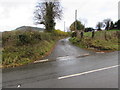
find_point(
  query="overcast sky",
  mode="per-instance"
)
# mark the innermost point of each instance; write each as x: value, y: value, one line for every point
x: 16, y: 13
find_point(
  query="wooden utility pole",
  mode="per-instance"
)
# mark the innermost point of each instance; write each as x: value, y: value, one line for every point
x: 64, y: 26
x: 75, y: 20
x: 118, y: 10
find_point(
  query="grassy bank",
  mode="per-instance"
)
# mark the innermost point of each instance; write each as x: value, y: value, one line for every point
x: 24, y: 47
x: 103, y: 40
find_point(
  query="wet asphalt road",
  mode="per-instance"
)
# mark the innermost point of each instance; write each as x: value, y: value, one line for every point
x: 65, y: 60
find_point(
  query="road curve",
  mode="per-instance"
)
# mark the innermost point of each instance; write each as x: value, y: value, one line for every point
x: 96, y: 70
x: 65, y: 49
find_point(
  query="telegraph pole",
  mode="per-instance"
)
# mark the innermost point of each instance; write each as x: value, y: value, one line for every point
x: 75, y: 14
x: 118, y: 10
x: 64, y: 26
x: 75, y: 20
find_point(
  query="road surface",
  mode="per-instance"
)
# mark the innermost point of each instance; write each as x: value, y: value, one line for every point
x: 69, y: 67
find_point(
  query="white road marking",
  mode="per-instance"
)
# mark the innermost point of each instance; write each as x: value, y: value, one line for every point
x: 100, y: 52
x: 65, y: 58
x: 87, y: 54
x: 72, y: 57
x: 41, y: 61
x: 78, y: 74
x: 62, y: 58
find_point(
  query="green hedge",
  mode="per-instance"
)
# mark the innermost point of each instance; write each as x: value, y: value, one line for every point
x: 23, y: 47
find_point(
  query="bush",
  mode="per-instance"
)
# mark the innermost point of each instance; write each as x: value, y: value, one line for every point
x: 74, y: 34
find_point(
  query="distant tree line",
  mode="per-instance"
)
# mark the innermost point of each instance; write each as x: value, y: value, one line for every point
x: 117, y: 24
x: 108, y: 24
x: 78, y: 28
x: 89, y: 29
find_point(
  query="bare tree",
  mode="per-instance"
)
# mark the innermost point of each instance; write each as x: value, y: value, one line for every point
x: 107, y: 23
x: 46, y: 12
x: 99, y: 25
x: 118, y: 24
x: 111, y: 25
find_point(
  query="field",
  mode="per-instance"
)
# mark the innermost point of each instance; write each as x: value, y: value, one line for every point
x: 103, y: 40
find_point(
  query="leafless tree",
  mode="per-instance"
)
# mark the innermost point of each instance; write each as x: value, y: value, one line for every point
x: 46, y: 12
x: 107, y: 23
x: 99, y: 25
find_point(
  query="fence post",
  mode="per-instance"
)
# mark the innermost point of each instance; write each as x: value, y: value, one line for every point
x: 93, y: 34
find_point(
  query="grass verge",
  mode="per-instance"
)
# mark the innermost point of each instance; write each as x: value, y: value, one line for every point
x: 103, y: 40
x: 25, y: 47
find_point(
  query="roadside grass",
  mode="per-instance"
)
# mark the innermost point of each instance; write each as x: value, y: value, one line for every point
x: 20, y: 48
x: 103, y: 40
